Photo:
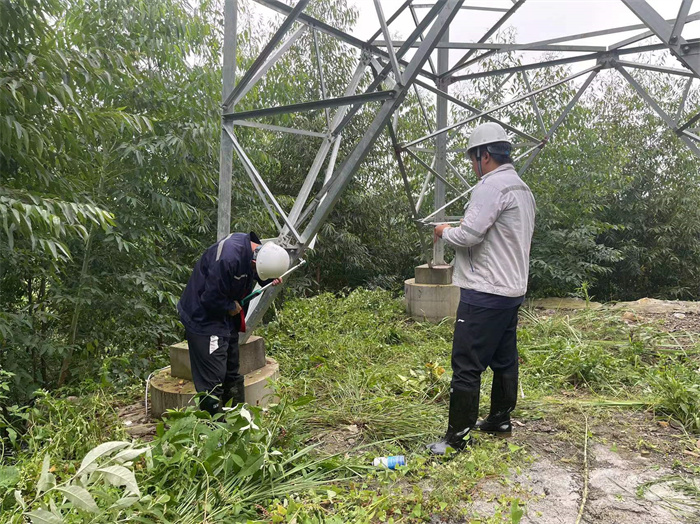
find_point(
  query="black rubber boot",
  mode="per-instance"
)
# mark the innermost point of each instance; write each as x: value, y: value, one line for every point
x: 504, y: 396
x: 234, y: 392
x: 211, y: 404
x: 464, y: 410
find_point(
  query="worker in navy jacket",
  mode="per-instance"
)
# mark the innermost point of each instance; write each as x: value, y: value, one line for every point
x: 211, y: 312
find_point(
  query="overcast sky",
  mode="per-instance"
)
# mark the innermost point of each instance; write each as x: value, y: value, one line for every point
x: 535, y: 20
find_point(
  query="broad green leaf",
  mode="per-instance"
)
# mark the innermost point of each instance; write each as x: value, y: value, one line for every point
x: 9, y: 476
x: 20, y: 499
x: 42, y: 516
x: 100, y: 451
x: 125, y: 502
x: 253, y: 467
x: 121, y: 476
x: 128, y: 455
x: 80, y: 497
x: 46, y: 479
x: 516, y: 512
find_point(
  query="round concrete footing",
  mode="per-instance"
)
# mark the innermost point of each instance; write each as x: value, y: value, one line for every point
x: 431, y: 302
x: 168, y: 392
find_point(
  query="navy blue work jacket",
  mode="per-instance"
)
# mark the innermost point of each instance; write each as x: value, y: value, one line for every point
x: 224, y: 274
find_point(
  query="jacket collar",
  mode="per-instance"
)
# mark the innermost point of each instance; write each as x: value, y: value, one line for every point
x: 499, y: 169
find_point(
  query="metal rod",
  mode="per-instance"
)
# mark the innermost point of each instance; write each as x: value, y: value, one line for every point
x: 535, y: 108
x: 385, y: 29
x: 253, y: 173
x: 423, y: 190
x: 691, y: 135
x: 680, y: 20
x: 433, y: 171
x: 393, y: 17
x: 524, y: 154
x: 317, y: 104
x: 280, y: 7
x: 658, y: 69
x: 689, y: 123
x: 267, y: 50
x: 415, y: 21
x: 379, y: 77
x: 462, y: 195
x: 263, y: 199
x: 560, y: 120
x: 271, y: 284
x: 561, y: 61
x: 527, y: 67
x: 590, y: 34
x: 267, y: 65
x: 504, y: 48
x: 441, y: 108
x: 692, y: 18
x: 681, y: 106
x: 663, y: 30
x: 377, y: 68
x: 321, y: 79
x: 476, y: 111
x: 457, y: 173
x: 228, y: 73
x: 652, y: 103
x: 486, y: 36
x: 467, y: 7
x: 269, y: 127
x: 422, y: 108
x: 402, y: 169
x: 501, y: 106
x: 325, y: 146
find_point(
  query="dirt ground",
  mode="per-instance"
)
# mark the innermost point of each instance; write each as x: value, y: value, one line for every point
x: 624, y: 453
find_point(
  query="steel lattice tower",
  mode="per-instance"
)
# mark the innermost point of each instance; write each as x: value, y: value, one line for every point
x: 398, y: 67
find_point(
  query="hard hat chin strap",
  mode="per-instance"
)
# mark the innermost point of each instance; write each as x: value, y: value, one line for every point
x: 478, y: 162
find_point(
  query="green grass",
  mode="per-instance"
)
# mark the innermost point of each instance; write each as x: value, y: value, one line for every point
x: 360, y: 380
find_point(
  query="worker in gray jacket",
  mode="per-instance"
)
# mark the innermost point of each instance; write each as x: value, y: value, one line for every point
x: 492, y: 245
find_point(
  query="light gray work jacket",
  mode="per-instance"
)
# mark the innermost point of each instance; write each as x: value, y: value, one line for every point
x: 493, y: 242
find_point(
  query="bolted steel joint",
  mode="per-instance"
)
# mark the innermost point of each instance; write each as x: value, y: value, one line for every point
x: 607, y: 61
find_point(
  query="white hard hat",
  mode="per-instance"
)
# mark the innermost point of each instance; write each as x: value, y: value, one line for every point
x: 487, y: 133
x: 271, y: 261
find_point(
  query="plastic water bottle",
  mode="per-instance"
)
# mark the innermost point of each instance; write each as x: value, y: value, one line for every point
x: 390, y: 462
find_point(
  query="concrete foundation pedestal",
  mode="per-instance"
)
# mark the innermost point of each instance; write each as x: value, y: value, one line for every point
x: 431, y: 296
x: 172, y: 388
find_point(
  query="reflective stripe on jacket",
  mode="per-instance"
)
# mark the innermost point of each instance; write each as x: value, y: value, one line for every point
x: 223, y: 275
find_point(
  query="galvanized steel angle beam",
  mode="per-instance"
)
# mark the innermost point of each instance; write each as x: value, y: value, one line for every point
x: 300, y: 227
x: 282, y: 8
x: 267, y: 50
x: 685, y: 52
x: 670, y: 122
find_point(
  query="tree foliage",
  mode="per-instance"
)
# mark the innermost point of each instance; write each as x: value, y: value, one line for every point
x: 109, y: 150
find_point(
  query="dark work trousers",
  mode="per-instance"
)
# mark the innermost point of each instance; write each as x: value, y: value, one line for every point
x: 483, y: 337
x: 214, y: 361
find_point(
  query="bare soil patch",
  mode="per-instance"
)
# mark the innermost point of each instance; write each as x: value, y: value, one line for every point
x: 621, y: 458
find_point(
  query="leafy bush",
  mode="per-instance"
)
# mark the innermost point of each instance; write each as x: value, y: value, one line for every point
x: 679, y: 393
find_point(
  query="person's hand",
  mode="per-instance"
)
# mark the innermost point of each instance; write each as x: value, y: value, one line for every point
x: 236, y: 309
x: 277, y: 282
x: 439, y: 230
